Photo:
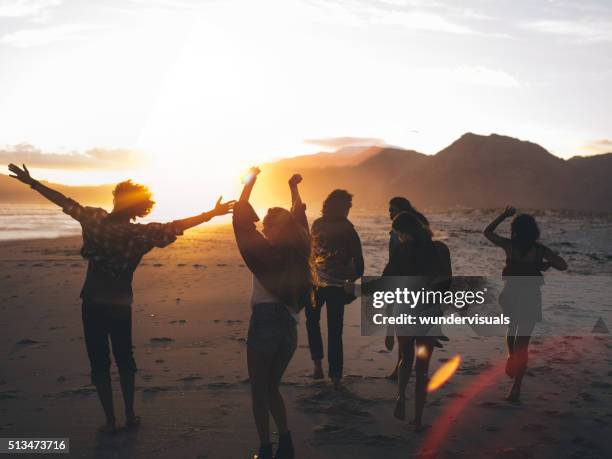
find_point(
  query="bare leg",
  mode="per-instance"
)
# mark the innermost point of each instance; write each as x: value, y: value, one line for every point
x: 425, y: 347
x: 510, y: 338
x: 275, y: 399
x: 406, y: 344
x: 520, y: 356
x: 259, y: 375
x: 393, y: 375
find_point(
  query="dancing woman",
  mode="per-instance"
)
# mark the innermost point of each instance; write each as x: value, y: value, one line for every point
x: 521, y: 298
x: 280, y: 258
x: 113, y: 247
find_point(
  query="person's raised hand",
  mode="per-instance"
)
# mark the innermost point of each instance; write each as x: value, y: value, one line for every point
x: 251, y: 175
x: 23, y: 175
x: 295, y: 180
x: 509, y: 211
x: 222, y: 208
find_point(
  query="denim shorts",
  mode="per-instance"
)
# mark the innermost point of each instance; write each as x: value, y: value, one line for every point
x: 272, y: 329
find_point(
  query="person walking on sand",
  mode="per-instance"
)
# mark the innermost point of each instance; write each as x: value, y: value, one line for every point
x: 339, y: 258
x: 113, y: 247
x: 423, y: 264
x: 280, y: 258
x: 521, y: 297
x: 397, y: 205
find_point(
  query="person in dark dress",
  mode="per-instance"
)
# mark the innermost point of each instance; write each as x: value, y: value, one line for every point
x: 521, y: 298
x: 397, y: 205
x: 113, y: 247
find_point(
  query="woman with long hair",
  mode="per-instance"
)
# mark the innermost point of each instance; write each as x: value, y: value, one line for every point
x: 397, y: 205
x: 521, y: 298
x: 423, y: 263
x: 280, y: 258
x: 339, y: 258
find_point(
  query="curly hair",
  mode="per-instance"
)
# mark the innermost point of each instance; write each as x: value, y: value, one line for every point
x: 337, y: 203
x: 132, y: 199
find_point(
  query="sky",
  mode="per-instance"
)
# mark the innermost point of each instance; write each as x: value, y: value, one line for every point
x: 192, y: 92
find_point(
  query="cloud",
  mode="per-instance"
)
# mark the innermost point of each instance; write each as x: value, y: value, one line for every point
x: 599, y: 146
x: 96, y: 158
x: 585, y: 30
x: 340, y: 142
x: 27, y: 38
x: 24, y: 8
x: 418, y: 20
x: 483, y: 76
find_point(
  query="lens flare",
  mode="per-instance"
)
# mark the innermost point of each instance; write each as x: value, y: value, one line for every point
x: 443, y: 374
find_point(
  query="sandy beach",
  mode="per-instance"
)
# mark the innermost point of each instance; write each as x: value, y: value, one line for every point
x: 190, y: 321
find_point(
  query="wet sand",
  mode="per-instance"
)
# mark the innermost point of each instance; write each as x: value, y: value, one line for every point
x: 190, y: 320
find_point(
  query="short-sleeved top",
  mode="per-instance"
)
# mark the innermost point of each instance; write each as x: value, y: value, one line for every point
x: 114, y: 250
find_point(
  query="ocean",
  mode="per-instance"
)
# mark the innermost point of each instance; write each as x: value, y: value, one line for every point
x: 584, y: 239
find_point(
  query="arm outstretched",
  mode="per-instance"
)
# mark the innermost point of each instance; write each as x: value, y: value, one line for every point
x: 221, y: 208
x: 23, y: 175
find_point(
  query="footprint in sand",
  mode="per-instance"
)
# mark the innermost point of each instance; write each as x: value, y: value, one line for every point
x: 190, y: 378
x: 161, y: 340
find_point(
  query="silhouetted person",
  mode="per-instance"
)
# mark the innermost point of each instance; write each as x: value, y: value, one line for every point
x: 113, y: 247
x: 397, y: 205
x: 521, y: 298
x: 423, y: 263
x: 280, y: 259
x: 339, y: 258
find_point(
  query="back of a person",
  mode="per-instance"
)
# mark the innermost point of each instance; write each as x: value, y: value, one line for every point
x: 112, y: 256
x: 332, y: 238
x: 523, y: 261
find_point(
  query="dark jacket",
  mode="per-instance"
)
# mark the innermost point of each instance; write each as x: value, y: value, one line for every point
x: 262, y: 258
x: 338, y: 249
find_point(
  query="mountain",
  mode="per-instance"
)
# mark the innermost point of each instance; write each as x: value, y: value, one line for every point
x: 474, y: 171
x: 346, y: 156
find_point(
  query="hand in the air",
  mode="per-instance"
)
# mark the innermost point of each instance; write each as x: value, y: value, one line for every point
x: 251, y: 175
x: 23, y: 175
x: 295, y: 180
x: 222, y: 208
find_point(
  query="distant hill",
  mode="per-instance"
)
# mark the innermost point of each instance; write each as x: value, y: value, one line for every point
x: 346, y: 156
x: 474, y: 171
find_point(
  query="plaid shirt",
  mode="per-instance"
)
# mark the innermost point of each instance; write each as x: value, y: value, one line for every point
x: 117, y: 247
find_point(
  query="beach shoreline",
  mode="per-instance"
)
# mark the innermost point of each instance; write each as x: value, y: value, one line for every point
x: 190, y: 320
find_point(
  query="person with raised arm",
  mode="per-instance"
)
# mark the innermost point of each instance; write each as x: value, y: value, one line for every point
x: 113, y: 247
x: 521, y: 297
x: 281, y: 261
